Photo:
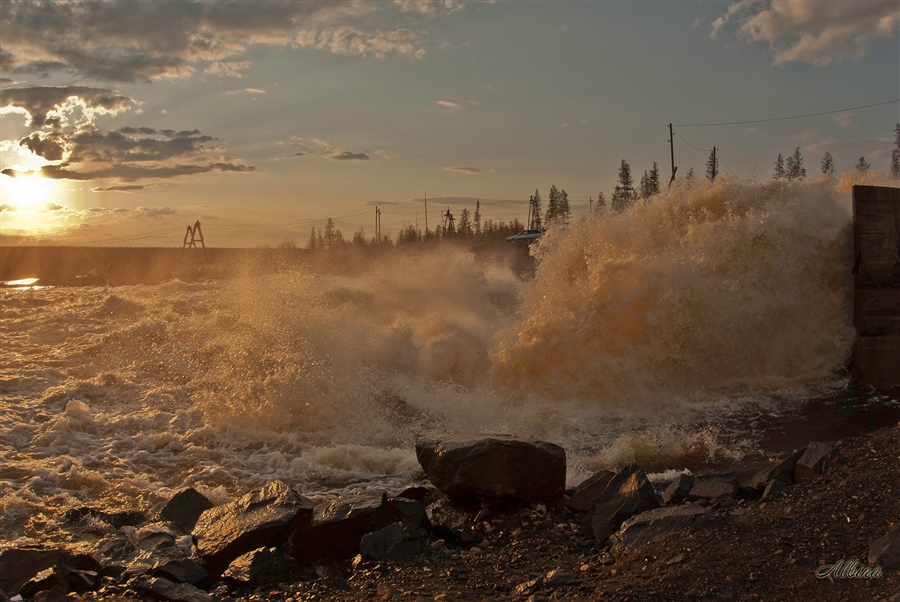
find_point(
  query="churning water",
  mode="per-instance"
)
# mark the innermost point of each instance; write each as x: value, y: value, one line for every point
x: 683, y: 333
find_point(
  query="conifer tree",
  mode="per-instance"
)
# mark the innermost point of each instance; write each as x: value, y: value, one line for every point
x: 654, y: 179
x: 623, y: 195
x: 477, y: 218
x: 563, y: 210
x: 464, y: 228
x: 311, y: 245
x: 644, y: 186
x: 601, y: 203
x: 712, y: 166
x: 779, y: 168
x: 689, y: 176
x: 862, y: 165
x: 827, y: 163
x: 552, y: 205
x: 329, y: 233
x: 536, y: 211
x: 793, y: 166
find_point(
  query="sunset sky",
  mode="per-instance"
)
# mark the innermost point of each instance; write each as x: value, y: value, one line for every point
x: 122, y: 122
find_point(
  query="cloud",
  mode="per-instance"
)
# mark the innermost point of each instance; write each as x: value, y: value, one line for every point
x: 452, y: 105
x: 111, y: 41
x: 562, y: 28
x: 813, y: 32
x: 124, y: 188
x: 57, y: 106
x: 845, y: 120
x: 246, y: 91
x: 468, y: 170
x: 753, y: 133
x: 348, y: 156
x: 228, y: 68
x: 154, y: 212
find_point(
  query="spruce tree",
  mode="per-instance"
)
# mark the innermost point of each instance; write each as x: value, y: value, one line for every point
x: 563, y: 210
x: 623, y: 195
x: 601, y: 203
x: 793, y: 167
x: 654, y: 179
x: 477, y: 217
x: 862, y: 165
x: 827, y: 163
x: 689, y: 176
x: 645, y: 187
x: 779, y: 168
x: 464, y: 228
x: 329, y: 233
x: 712, y: 166
x: 311, y: 245
x: 552, y: 205
x: 536, y: 211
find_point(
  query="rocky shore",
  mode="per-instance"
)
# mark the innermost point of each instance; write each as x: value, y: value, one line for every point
x: 496, y: 524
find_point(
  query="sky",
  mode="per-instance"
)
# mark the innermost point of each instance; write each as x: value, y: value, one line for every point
x: 123, y: 122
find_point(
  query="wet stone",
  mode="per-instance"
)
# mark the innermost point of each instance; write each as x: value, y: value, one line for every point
x: 263, y: 566
x: 588, y: 491
x: 783, y: 471
x: 627, y: 494
x: 815, y: 459
x: 395, y: 542
x: 678, y: 490
x: 185, y: 508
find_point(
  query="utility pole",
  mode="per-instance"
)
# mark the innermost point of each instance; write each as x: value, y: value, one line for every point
x: 672, y: 155
x: 591, y: 206
x: 530, y: 206
x: 426, y: 212
x: 377, y: 225
x: 714, y: 171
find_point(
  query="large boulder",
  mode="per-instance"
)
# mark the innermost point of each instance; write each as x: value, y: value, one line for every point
x: 587, y: 492
x: 262, y: 567
x: 783, y: 471
x: 679, y: 489
x: 649, y: 526
x: 338, y: 526
x: 20, y: 566
x: 627, y: 494
x: 498, y: 466
x: 185, y: 508
x: 261, y: 518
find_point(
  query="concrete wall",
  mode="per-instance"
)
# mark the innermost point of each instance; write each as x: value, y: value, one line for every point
x: 876, y: 233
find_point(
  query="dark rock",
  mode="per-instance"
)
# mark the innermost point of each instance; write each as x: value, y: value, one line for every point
x: 185, y: 508
x: 262, y: 567
x: 21, y: 565
x: 710, y: 487
x: 395, y: 542
x: 885, y: 551
x: 410, y: 512
x: 678, y: 490
x: 495, y: 467
x: 815, y: 459
x: 262, y: 518
x: 589, y: 490
x: 558, y: 578
x: 54, y: 594
x: 450, y: 522
x: 528, y: 588
x: 627, y: 494
x: 414, y: 493
x: 783, y: 471
x: 44, y: 581
x: 117, y: 520
x: 648, y: 526
x: 338, y: 526
x: 163, y: 589
x: 774, y: 488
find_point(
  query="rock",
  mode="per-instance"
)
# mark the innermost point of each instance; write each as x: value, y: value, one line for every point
x: 338, y: 526
x: 185, y: 508
x: 395, y: 542
x: 262, y: 567
x: 117, y: 520
x: 649, y: 526
x: 159, y: 556
x: 527, y: 588
x: 627, y: 494
x: 885, y: 551
x: 21, y: 565
x: 815, y: 459
x: 44, y: 581
x: 710, y: 487
x: 410, y: 512
x: 589, y: 490
x: 783, y: 471
x: 495, y: 467
x: 678, y: 490
x: 451, y: 522
x: 558, y: 578
x: 261, y: 518
x: 55, y: 594
x: 163, y: 589
x: 774, y: 488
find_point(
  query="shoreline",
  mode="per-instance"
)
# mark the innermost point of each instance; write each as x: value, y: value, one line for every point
x: 810, y: 541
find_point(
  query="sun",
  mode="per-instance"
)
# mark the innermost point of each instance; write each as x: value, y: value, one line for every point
x: 25, y: 193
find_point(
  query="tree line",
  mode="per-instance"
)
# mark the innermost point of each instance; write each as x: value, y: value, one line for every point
x: 470, y: 225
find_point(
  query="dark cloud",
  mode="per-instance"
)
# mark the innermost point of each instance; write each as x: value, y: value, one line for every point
x: 348, y: 156
x: 117, y: 147
x: 40, y: 102
x: 48, y: 146
x: 115, y: 41
x: 130, y: 173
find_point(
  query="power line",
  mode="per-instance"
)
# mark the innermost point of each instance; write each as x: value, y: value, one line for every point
x: 698, y: 125
x: 705, y: 150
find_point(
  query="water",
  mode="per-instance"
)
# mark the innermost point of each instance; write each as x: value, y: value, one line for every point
x: 706, y: 329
